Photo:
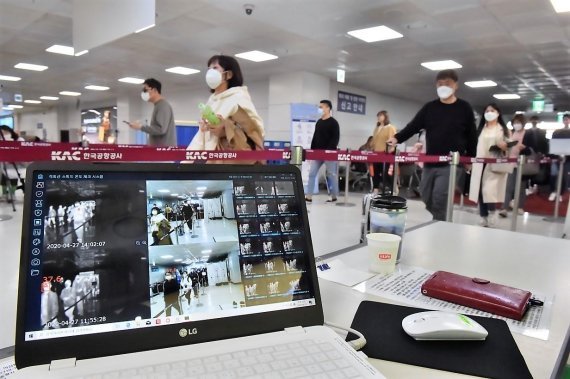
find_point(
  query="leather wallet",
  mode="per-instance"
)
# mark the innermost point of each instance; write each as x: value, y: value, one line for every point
x: 478, y: 293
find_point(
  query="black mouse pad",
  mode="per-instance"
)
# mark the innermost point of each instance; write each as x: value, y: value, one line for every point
x: 496, y: 357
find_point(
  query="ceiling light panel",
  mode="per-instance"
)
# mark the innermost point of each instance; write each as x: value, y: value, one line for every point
x: 182, y: 70
x: 131, y: 80
x: 61, y: 49
x: 481, y: 84
x: 256, y: 56
x: 506, y: 96
x: 441, y: 65
x: 9, y: 78
x: 375, y: 34
x: 70, y: 93
x: 561, y: 6
x: 96, y: 88
x: 31, y: 67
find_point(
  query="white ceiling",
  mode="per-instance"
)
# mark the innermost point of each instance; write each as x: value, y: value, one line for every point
x: 521, y: 44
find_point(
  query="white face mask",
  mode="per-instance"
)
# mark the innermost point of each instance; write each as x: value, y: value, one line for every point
x: 320, y: 111
x: 517, y: 126
x: 145, y: 96
x: 213, y: 78
x: 154, y: 213
x: 491, y: 116
x: 444, y: 92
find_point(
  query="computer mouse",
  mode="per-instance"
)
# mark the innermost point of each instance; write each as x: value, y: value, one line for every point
x: 438, y: 325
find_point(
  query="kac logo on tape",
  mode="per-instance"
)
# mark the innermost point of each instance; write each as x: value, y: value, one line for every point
x: 343, y: 157
x: 287, y: 155
x: 65, y: 156
x: 193, y: 155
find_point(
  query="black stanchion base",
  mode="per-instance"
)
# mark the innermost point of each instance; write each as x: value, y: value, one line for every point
x: 558, y: 220
x: 343, y: 204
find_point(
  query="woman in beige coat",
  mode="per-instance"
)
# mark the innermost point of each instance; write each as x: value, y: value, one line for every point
x: 488, y: 186
x: 240, y: 127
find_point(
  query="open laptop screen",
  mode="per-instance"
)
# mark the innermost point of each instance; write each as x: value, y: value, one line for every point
x: 112, y: 251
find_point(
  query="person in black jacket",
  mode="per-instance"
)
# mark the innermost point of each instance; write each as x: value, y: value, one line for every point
x: 449, y: 124
x: 187, y: 212
x: 326, y: 137
x: 535, y: 140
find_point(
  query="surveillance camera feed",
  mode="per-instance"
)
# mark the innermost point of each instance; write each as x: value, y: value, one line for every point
x: 113, y: 251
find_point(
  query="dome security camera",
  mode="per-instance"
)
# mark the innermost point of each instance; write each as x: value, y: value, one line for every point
x: 249, y: 9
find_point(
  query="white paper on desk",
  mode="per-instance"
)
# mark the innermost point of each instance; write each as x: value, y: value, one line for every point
x: 404, y: 285
x: 7, y: 367
x: 342, y: 274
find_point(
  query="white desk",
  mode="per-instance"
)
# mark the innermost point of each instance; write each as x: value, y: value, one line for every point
x: 519, y: 260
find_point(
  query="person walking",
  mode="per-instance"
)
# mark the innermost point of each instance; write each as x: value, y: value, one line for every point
x: 517, y: 134
x: 489, y: 181
x: 449, y: 125
x: 382, y: 133
x: 162, y: 129
x: 537, y: 142
x: 555, y: 166
x: 325, y: 137
x: 239, y: 126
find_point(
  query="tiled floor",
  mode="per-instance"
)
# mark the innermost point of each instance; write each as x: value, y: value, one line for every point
x: 332, y: 227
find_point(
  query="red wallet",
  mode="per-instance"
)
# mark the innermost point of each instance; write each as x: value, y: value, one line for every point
x: 478, y: 293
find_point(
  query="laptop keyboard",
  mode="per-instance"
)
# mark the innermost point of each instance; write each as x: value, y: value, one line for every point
x: 307, y: 359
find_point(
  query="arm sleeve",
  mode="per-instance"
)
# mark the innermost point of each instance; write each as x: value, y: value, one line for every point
x: 335, y: 135
x: 470, y: 134
x: 159, y: 123
x: 413, y: 126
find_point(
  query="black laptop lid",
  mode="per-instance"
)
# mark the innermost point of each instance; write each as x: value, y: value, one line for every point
x: 130, y: 257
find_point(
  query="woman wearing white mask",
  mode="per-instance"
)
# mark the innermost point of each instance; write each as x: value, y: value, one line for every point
x: 239, y: 126
x: 518, y: 122
x: 488, y: 184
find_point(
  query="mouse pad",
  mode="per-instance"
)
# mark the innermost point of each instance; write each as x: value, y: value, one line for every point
x: 496, y: 357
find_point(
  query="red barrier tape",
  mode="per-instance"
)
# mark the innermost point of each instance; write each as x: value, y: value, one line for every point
x: 48, y: 151
x: 44, y: 151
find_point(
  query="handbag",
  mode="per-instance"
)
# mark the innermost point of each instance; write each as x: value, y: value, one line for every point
x: 532, y: 164
x: 478, y: 293
x: 502, y: 168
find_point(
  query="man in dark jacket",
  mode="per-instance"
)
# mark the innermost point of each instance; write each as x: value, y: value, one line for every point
x: 326, y: 137
x: 449, y: 124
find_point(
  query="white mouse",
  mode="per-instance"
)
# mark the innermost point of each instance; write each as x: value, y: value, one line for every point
x: 437, y: 325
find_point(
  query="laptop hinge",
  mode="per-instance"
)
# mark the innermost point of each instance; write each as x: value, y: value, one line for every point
x: 62, y: 364
x: 295, y: 330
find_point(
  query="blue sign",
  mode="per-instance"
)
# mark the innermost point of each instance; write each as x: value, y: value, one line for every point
x: 351, y: 103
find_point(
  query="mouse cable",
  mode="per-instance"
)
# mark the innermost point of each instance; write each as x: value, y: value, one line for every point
x: 356, y: 344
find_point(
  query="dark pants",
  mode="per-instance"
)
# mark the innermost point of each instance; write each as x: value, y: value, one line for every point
x: 377, y: 178
x: 554, y: 168
x: 433, y: 188
x: 484, y: 208
x: 510, y: 193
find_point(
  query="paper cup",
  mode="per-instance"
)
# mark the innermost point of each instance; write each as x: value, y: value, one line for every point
x: 383, y: 251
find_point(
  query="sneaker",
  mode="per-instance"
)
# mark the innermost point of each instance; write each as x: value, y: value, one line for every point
x: 503, y: 213
x: 512, y: 204
x: 492, y: 219
x: 521, y: 211
x: 484, y: 222
x: 308, y: 199
x: 552, y: 196
x: 331, y: 200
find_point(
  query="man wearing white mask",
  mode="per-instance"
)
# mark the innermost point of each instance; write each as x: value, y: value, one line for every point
x: 325, y: 137
x: 449, y: 125
x: 162, y: 130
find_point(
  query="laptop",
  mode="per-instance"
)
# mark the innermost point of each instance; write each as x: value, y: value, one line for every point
x: 162, y: 270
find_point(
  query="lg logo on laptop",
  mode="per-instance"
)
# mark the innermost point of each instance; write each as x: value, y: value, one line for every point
x: 185, y: 332
x: 65, y: 156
